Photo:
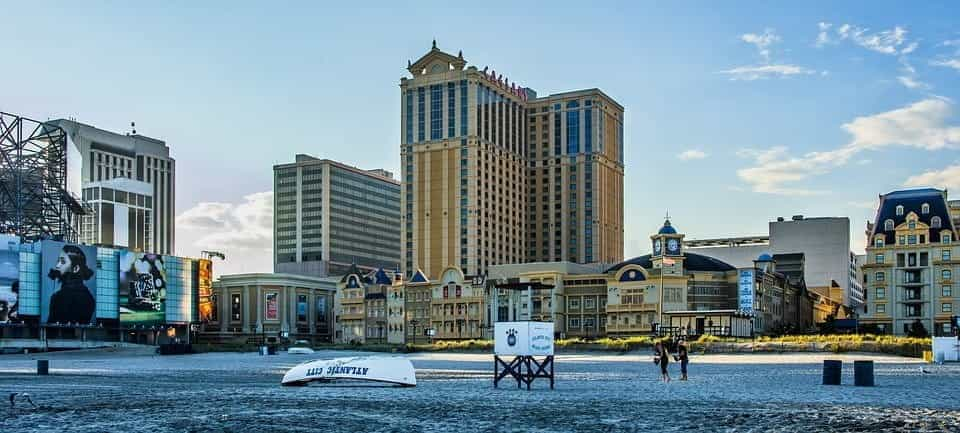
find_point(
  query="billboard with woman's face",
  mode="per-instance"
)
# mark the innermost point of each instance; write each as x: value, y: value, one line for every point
x: 9, y: 286
x: 68, y: 294
x: 143, y: 288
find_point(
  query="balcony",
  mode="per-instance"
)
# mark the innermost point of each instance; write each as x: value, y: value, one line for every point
x: 621, y: 308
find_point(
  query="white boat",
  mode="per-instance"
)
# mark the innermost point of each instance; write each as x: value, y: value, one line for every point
x: 299, y: 351
x: 383, y: 369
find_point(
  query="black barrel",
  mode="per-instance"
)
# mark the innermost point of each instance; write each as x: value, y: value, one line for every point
x: 863, y: 373
x: 831, y: 371
x: 43, y: 367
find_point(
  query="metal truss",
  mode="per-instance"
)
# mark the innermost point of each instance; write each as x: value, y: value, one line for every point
x: 34, y: 200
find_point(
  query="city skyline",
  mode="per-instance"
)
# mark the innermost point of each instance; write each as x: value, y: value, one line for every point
x: 234, y: 97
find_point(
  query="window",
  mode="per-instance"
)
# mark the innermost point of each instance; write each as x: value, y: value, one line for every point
x: 925, y: 208
x: 235, y: 307
x: 888, y: 225
x: 946, y: 307
x: 881, y: 308
x: 945, y: 238
x: 446, y: 292
x: 574, y: 303
x: 912, y: 225
x: 421, y: 114
x: 911, y: 239
x: 573, y: 132
x: 946, y: 291
x: 946, y: 274
x: 945, y: 255
x: 881, y: 293
x: 878, y: 242
x: 574, y: 323
x: 589, y: 303
x: 436, y: 113
x: 902, y: 240
x: 878, y: 259
x: 899, y: 210
x: 879, y: 276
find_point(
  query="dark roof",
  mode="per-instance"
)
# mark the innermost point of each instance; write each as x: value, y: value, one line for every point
x: 691, y: 262
x: 352, y: 271
x: 380, y: 277
x: 419, y: 277
x: 667, y: 229
x: 912, y: 201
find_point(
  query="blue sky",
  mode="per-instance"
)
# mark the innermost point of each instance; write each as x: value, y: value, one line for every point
x: 725, y: 103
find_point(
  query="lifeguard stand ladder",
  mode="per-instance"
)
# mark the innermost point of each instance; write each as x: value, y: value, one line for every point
x: 523, y: 369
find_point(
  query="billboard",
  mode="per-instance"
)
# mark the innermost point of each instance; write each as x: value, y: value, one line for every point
x: 523, y: 338
x: 745, y: 290
x: 271, y: 311
x: 143, y: 288
x: 68, y: 294
x: 208, y: 301
x: 9, y: 286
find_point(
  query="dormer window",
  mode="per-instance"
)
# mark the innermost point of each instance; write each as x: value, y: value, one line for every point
x: 912, y: 225
x: 899, y: 210
x: 888, y: 225
x: 925, y: 208
x: 878, y: 242
x: 935, y: 222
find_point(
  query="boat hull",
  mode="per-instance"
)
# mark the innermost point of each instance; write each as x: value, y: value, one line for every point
x: 384, y: 370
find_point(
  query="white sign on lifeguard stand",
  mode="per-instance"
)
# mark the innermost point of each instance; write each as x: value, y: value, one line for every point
x: 524, y: 341
x: 946, y: 349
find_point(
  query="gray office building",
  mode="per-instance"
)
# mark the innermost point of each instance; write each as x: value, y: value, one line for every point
x: 328, y: 215
x: 824, y: 242
x: 108, y: 155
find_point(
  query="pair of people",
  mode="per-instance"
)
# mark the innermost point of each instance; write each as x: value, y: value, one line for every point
x: 661, y: 356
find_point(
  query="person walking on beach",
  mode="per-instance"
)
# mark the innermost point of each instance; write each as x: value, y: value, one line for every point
x: 662, y: 358
x: 683, y: 358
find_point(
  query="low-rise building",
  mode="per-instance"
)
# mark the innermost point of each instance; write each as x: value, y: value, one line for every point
x: 252, y: 306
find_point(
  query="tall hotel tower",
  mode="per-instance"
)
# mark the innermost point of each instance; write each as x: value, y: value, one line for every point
x: 493, y: 174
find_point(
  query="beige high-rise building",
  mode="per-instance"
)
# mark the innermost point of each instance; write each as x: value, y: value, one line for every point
x: 493, y: 174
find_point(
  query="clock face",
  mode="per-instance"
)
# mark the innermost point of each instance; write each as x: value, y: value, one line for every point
x: 673, y: 246
x: 656, y: 247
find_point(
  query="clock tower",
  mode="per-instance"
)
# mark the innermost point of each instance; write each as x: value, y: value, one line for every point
x: 668, y: 249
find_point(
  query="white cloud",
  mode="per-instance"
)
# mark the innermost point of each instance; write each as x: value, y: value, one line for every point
x: 823, y: 37
x: 921, y: 124
x: 948, y: 63
x: 692, y: 154
x: 761, y: 72
x: 948, y: 178
x: 762, y: 41
x: 893, y: 41
x: 911, y: 83
x: 243, y: 231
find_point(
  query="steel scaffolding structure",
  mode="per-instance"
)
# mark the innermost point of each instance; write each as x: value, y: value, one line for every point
x: 34, y: 200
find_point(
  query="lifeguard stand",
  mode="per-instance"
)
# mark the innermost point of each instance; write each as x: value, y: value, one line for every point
x: 516, y: 348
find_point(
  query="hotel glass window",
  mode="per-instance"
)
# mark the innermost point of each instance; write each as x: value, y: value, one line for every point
x: 574, y: 323
x: 878, y: 242
x: 945, y: 238
x: 421, y: 114
x: 902, y: 240
x: 588, y: 322
x: 888, y: 225
x: 946, y: 274
x: 935, y: 222
x: 946, y: 291
x: 881, y: 308
x: 946, y: 307
x: 436, y: 113
x: 912, y: 225
x: 925, y: 209
x: 879, y: 276
x: 899, y: 210
x: 911, y: 239
x: 878, y: 259
x: 589, y: 303
x: 945, y: 255
x: 881, y: 293
x: 574, y: 303
x: 235, y: 307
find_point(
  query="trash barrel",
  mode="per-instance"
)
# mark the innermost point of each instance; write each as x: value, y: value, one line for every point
x: 863, y: 373
x: 831, y: 371
x: 43, y: 367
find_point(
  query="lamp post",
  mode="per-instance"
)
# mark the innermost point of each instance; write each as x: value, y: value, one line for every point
x: 414, y: 324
